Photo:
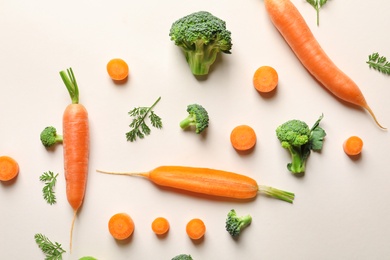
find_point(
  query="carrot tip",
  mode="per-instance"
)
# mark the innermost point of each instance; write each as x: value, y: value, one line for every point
x: 374, y: 117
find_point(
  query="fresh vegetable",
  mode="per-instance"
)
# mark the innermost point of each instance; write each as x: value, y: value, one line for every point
x: 296, y: 136
x: 9, y: 168
x: 201, y: 36
x: 50, y: 137
x: 234, y: 224
x: 297, y: 34
x: 182, y: 257
x: 52, y: 250
x: 209, y: 182
x: 160, y: 226
x: 117, y: 69
x: 243, y: 138
x: 138, y: 125
x: 195, y: 228
x: 317, y: 4
x: 50, y: 181
x: 265, y: 79
x: 75, y: 145
x: 379, y: 63
x: 87, y: 258
x: 121, y: 226
x: 197, y: 116
x: 353, y: 145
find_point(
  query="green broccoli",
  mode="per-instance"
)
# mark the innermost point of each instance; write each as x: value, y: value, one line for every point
x: 201, y: 36
x: 300, y: 140
x: 182, y: 257
x: 49, y: 136
x: 197, y: 116
x: 235, y: 224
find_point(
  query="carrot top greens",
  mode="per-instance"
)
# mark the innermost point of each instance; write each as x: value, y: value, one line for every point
x: 317, y: 4
x: 71, y: 84
x: 379, y: 63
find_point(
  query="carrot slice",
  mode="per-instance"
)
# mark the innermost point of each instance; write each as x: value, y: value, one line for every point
x: 160, y: 226
x: 121, y: 226
x: 117, y: 69
x: 353, y: 145
x: 265, y: 79
x: 196, y: 228
x: 243, y: 138
x: 9, y: 168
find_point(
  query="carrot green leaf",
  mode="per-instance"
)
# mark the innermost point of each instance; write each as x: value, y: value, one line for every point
x: 52, y: 250
x: 379, y: 63
x: 48, y: 190
x: 317, y: 4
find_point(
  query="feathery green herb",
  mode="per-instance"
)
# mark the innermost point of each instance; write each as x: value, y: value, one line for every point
x: 379, y: 63
x: 317, y: 4
x: 53, y: 251
x: 48, y: 190
x: 139, y: 127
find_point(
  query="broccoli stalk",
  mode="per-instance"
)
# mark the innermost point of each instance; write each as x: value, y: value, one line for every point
x: 235, y: 224
x: 296, y: 136
x: 49, y: 136
x: 197, y: 116
x: 201, y: 36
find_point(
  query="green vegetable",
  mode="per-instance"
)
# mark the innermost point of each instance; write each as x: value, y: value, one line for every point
x: 53, y: 251
x: 182, y: 257
x: 87, y: 258
x: 138, y: 126
x: 50, y: 137
x: 379, y: 63
x: 197, y: 116
x: 201, y: 36
x: 235, y: 224
x: 300, y: 140
x: 50, y: 181
x: 317, y: 4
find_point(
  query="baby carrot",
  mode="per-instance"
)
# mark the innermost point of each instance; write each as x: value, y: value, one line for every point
x: 243, y: 138
x: 9, y: 168
x: 353, y: 145
x: 195, y: 228
x: 292, y: 26
x: 209, y: 182
x: 121, y: 226
x: 117, y: 69
x: 265, y: 79
x: 160, y: 226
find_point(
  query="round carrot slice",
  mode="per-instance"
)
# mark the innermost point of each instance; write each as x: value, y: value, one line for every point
x: 195, y: 228
x: 353, y: 145
x: 9, y: 168
x: 121, y: 226
x: 265, y: 79
x: 117, y: 69
x: 160, y: 226
x: 243, y: 138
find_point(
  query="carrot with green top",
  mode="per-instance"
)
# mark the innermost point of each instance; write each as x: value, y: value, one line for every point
x: 292, y: 26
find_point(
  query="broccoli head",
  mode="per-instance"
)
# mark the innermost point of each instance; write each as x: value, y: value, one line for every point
x: 296, y: 136
x: 49, y: 136
x: 235, y: 224
x: 201, y: 36
x: 182, y: 257
x: 197, y: 116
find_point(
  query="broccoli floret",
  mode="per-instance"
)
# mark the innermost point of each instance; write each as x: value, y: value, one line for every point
x: 235, y: 224
x: 201, y: 36
x: 49, y: 136
x: 182, y: 257
x: 300, y: 140
x: 197, y: 116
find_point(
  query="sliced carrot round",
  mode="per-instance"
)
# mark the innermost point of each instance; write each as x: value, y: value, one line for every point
x: 160, y: 226
x: 117, y: 69
x: 195, y: 228
x: 353, y: 145
x: 243, y: 138
x: 9, y: 168
x: 121, y: 226
x: 265, y: 79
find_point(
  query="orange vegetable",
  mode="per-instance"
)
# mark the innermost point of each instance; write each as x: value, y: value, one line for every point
x: 209, y: 182
x: 265, y: 79
x: 195, y: 229
x: 121, y: 226
x: 291, y: 25
x: 117, y: 69
x: 353, y: 146
x: 9, y: 168
x: 76, y: 146
x: 243, y: 138
x: 160, y: 226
